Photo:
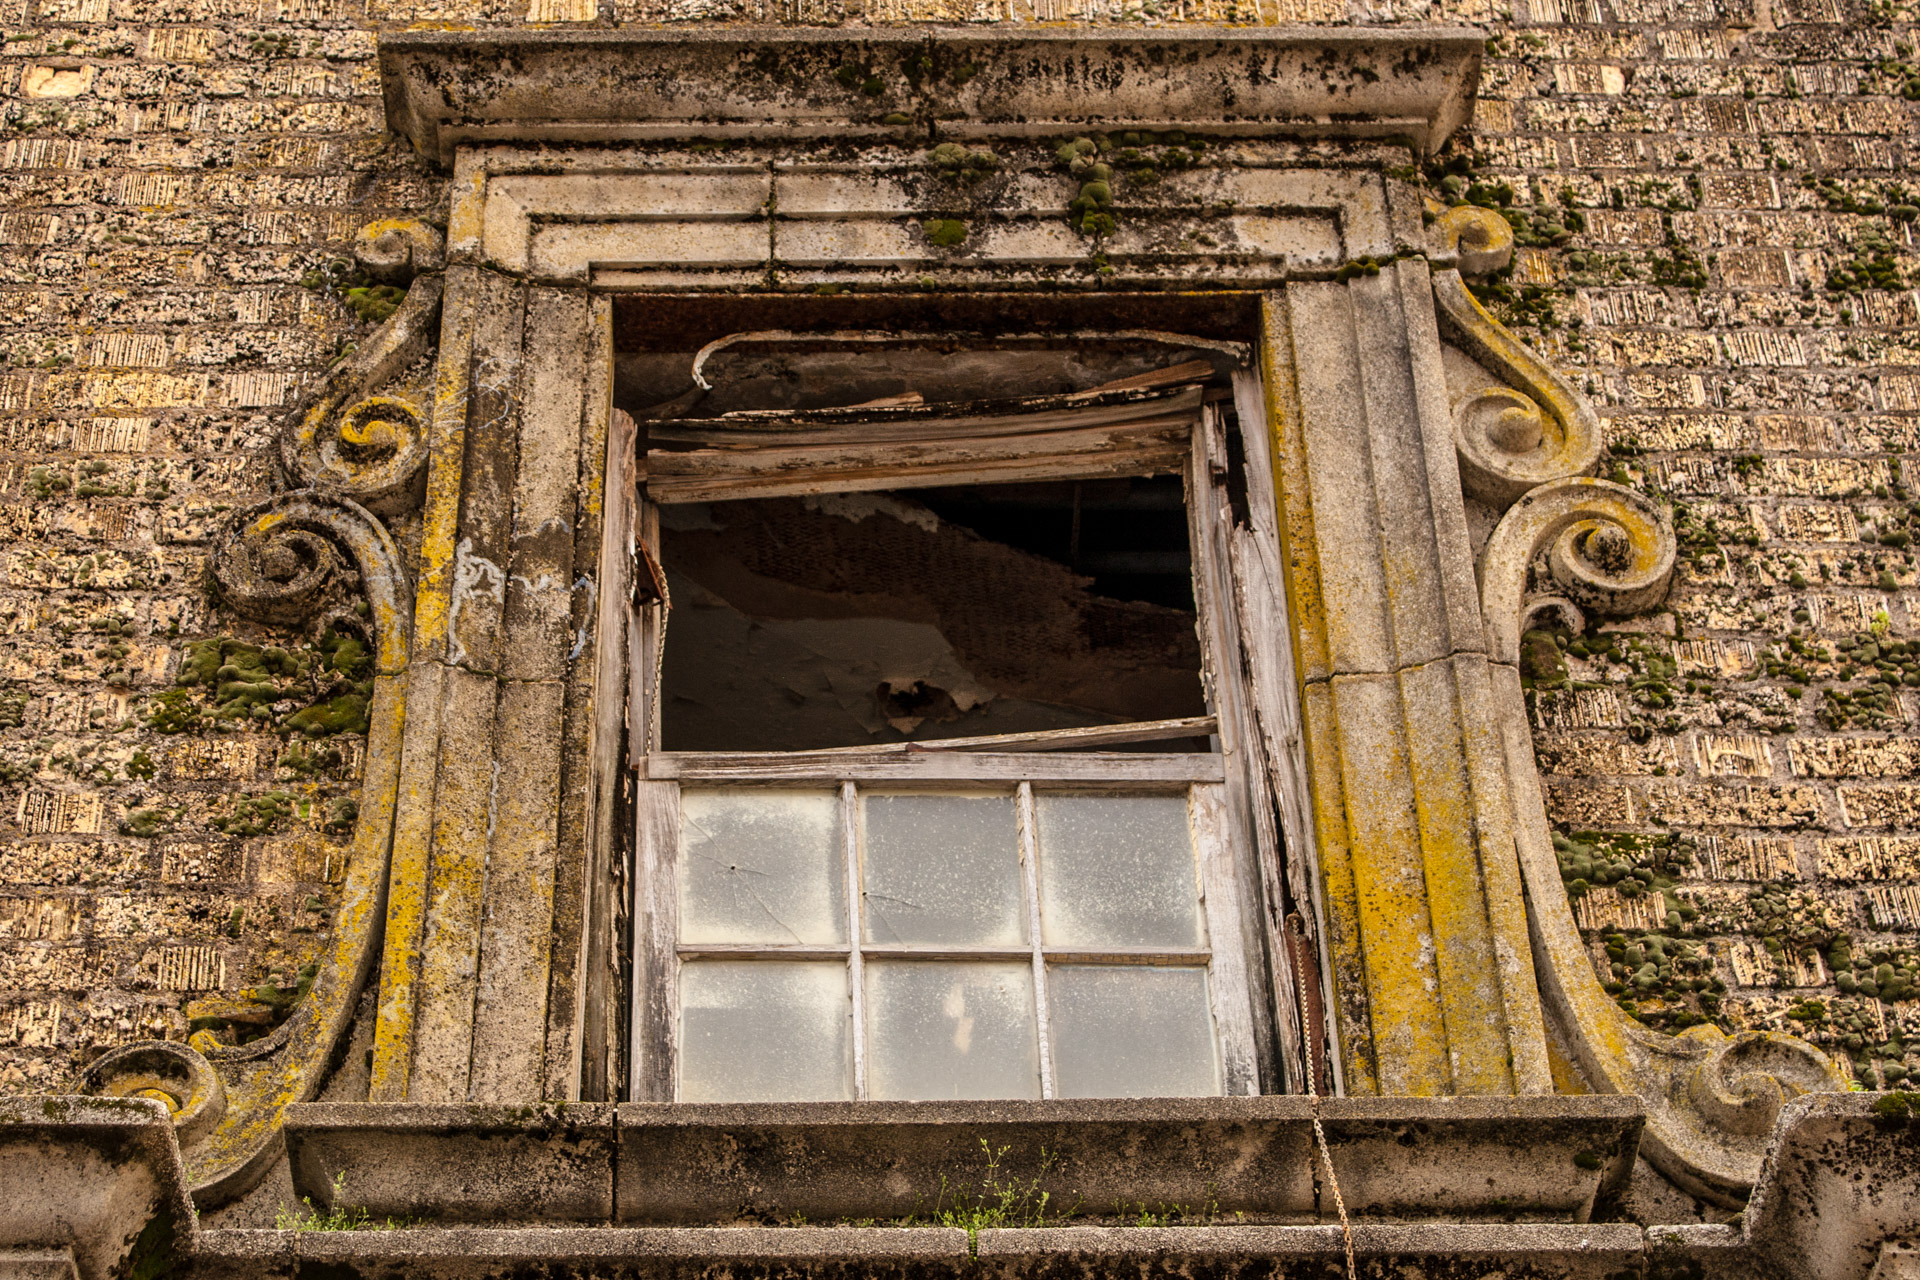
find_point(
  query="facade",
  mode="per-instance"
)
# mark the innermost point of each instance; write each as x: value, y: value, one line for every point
x: 821, y: 642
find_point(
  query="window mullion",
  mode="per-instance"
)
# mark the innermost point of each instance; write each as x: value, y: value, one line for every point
x: 1030, y: 890
x: 856, y: 969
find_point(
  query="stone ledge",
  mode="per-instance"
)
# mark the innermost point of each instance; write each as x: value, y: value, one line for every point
x: 81, y: 1180
x: 1429, y: 1251
x: 1530, y: 1158
x: 445, y: 89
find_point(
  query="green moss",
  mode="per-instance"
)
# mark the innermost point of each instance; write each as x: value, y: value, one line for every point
x: 199, y: 663
x: 1541, y: 663
x: 947, y: 233
x: 1898, y: 1105
x: 374, y: 303
x: 344, y: 714
x: 254, y: 815
x: 971, y: 165
x: 329, y: 682
x: 173, y: 711
x: 144, y: 824
x: 342, y: 813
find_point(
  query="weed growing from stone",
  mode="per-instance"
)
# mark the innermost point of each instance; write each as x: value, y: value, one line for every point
x: 1002, y: 1200
x: 338, y: 1218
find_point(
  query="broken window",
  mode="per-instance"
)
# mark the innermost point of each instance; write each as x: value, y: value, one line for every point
x: 850, y: 619
x: 932, y: 801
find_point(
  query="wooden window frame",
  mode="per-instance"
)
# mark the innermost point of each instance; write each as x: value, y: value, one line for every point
x: 1235, y: 848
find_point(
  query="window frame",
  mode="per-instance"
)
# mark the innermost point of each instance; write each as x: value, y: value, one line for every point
x: 1235, y: 850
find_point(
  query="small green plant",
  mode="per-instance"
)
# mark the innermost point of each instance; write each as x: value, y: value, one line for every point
x: 338, y: 1218
x: 1001, y: 1201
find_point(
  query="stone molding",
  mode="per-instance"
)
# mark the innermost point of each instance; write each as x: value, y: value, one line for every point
x: 1535, y: 429
x: 634, y: 219
x: 1607, y: 550
x: 90, y: 1186
x: 447, y: 90
x: 315, y: 557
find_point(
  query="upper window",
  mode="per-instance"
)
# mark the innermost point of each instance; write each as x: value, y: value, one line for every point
x: 933, y: 803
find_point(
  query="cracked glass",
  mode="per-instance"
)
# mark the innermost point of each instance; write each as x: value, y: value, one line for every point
x: 762, y: 866
x: 942, y: 869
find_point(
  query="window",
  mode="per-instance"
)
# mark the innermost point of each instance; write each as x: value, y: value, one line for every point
x: 928, y: 725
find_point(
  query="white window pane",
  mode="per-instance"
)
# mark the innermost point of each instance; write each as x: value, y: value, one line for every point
x: 762, y: 866
x: 1130, y: 1031
x: 950, y: 1030
x: 765, y: 1031
x: 942, y: 868
x: 1117, y: 871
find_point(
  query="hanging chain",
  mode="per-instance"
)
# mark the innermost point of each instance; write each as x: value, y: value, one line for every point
x: 1320, y: 1134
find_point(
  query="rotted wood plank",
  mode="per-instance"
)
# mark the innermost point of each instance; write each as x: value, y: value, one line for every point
x: 1122, y: 770
x: 1100, y: 735
x: 705, y: 475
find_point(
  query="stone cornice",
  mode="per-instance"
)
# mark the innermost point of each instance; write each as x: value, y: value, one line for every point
x: 444, y: 89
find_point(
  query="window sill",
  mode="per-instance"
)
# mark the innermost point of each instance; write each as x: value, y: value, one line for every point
x: 1204, y: 1160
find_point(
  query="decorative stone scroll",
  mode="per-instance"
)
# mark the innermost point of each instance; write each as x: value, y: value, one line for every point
x: 1608, y: 551
x: 1535, y: 429
x: 1711, y: 1099
x: 319, y: 558
x: 359, y: 435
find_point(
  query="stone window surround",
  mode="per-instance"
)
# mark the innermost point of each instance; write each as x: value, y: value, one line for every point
x: 1406, y: 774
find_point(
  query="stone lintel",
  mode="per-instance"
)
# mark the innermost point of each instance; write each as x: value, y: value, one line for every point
x: 1538, y: 1158
x: 446, y: 89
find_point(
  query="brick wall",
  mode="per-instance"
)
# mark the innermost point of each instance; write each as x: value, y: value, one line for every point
x: 1711, y: 199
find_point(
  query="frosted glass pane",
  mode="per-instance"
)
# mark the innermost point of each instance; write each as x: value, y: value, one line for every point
x: 948, y: 1030
x: 942, y: 869
x: 1129, y: 1031
x: 762, y: 866
x: 765, y: 1031
x: 1117, y: 871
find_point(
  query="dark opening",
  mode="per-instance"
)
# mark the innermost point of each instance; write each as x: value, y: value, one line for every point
x: 856, y: 619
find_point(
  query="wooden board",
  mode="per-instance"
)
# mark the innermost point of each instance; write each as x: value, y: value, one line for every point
x: 1099, y: 735
x: 869, y: 424
x: 709, y: 475
x: 1125, y: 769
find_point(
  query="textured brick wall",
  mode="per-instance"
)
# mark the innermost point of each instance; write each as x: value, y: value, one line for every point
x: 1712, y: 196
x: 170, y: 173
x: 1737, y: 304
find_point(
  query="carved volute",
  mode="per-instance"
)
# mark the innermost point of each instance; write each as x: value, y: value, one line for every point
x: 1569, y: 547
x: 316, y: 556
